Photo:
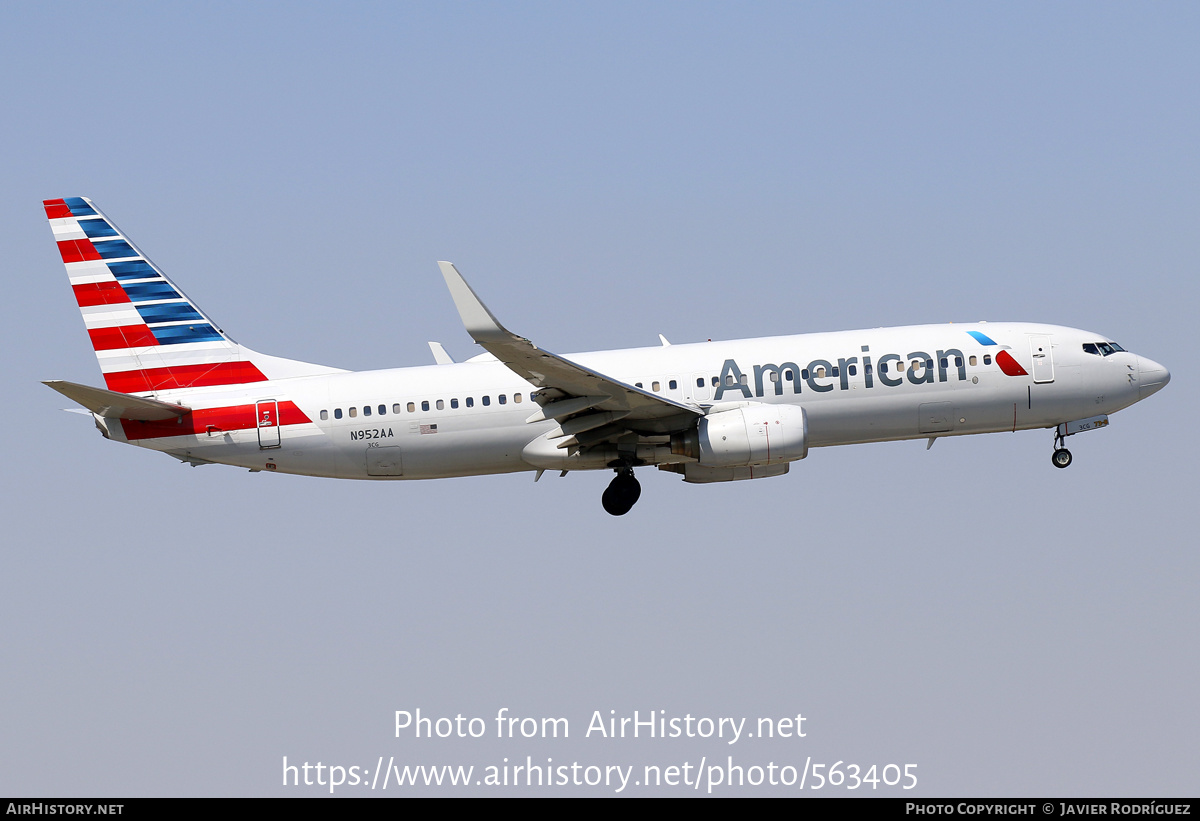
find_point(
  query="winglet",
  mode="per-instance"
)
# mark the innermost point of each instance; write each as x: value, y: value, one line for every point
x: 439, y: 354
x: 478, y: 320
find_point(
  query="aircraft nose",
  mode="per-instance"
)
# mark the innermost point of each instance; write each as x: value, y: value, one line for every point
x: 1153, y: 377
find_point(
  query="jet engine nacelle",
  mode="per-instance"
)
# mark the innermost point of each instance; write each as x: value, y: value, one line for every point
x: 754, y: 434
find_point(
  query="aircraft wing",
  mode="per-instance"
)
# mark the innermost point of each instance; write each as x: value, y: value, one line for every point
x: 113, y: 405
x: 578, y: 388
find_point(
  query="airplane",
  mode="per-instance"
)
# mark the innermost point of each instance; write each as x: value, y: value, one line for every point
x: 719, y: 411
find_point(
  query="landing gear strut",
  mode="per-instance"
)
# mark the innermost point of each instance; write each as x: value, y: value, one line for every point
x: 1061, y: 457
x: 622, y: 493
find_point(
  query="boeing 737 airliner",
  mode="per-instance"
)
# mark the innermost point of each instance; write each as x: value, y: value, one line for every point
x: 711, y: 411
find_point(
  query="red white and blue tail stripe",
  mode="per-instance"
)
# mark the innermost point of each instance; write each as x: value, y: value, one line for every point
x: 148, y: 336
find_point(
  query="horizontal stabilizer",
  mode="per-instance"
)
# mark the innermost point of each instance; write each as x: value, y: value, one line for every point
x: 113, y: 405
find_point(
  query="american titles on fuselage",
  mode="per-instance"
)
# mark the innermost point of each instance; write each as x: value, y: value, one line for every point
x: 920, y: 370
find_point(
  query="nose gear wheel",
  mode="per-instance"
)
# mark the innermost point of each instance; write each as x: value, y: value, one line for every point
x: 1061, y: 457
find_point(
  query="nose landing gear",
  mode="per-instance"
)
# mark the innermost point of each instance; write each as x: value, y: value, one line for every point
x: 1061, y: 457
x: 622, y: 493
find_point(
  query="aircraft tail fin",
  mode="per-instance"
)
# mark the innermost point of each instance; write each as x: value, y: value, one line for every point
x: 147, y: 334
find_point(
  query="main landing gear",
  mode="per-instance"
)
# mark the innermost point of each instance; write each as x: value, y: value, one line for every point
x: 622, y: 493
x: 1061, y: 457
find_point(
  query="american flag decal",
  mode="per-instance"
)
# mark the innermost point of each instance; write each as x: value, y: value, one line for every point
x: 428, y: 428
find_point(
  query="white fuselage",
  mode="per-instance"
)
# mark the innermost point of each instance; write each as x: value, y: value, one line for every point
x: 470, y: 418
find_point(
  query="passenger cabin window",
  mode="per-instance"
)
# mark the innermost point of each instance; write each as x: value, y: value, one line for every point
x: 974, y: 360
x: 655, y: 386
x: 412, y: 408
x: 337, y: 413
x: 396, y: 408
x: 673, y: 385
x: 487, y: 400
x: 324, y: 415
x: 383, y: 410
x: 987, y: 359
x: 700, y: 382
x: 424, y: 404
x: 353, y: 412
x: 366, y: 410
x: 502, y: 398
x: 470, y: 401
x: 441, y: 405
x: 454, y: 403
x: 516, y: 398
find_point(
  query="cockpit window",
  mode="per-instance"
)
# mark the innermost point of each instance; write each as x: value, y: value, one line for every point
x: 1090, y: 347
x: 1102, y: 348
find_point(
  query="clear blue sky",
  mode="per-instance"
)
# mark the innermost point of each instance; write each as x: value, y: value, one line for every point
x: 604, y: 173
